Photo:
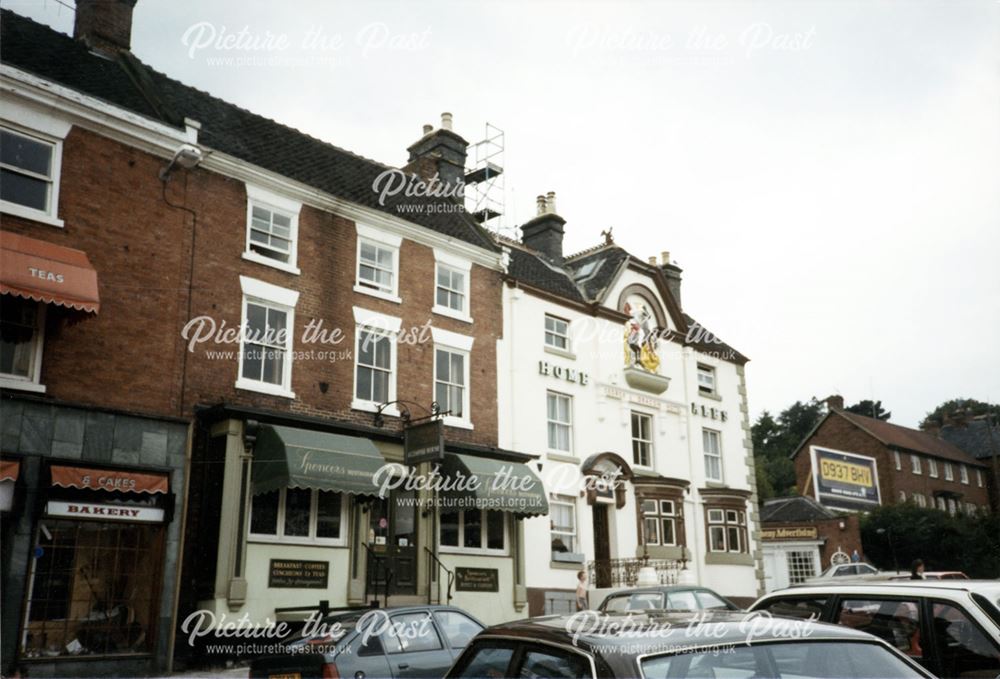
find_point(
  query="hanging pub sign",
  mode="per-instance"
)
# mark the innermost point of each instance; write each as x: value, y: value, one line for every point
x: 297, y: 574
x: 477, y: 580
x: 845, y: 480
x: 423, y: 442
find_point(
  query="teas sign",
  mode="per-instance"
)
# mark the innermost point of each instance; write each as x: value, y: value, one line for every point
x: 845, y: 480
x: 477, y: 580
x: 285, y: 573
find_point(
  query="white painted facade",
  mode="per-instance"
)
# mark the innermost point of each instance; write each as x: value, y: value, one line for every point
x: 602, y: 407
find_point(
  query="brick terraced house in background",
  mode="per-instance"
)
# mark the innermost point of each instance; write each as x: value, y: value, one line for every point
x: 133, y: 204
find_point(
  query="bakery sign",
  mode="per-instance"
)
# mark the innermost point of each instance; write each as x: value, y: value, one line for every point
x: 790, y: 533
x: 104, y: 512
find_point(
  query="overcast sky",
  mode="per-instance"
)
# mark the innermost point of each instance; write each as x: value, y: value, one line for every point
x: 826, y: 173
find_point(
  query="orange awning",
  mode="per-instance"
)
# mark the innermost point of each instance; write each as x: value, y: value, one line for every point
x: 38, y: 270
x: 109, y: 479
x: 9, y: 469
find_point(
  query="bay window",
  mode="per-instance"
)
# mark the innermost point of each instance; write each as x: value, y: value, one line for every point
x: 727, y: 530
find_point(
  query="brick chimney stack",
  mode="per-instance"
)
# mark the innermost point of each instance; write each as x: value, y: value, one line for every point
x: 442, y: 152
x: 835, y: 402
x: 104, y: 25
x: 544, y: 232
x: 672, y: 273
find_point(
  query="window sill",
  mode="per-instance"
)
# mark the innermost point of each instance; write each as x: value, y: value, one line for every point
x: 713, y: 396
x: 264, y: 388
x: 451, y: 313
x: 298, y: 541
x: 560, y: 352
x: 457, y: 422
x: 251, y: 256
x: 372, y: 292
x: 565, y: 565
x: 562, y: 457
x: 21, y: 385
x: 728, y: 559
x: 468, y: 551
x: 16, y: 210
x: 711, y: 483
x: 372, y: 407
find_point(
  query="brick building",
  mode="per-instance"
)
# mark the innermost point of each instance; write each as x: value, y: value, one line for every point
x: 170, y: 219
x: 850, y: 461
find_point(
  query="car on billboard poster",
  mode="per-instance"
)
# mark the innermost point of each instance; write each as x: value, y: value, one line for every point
x: 845, y: 480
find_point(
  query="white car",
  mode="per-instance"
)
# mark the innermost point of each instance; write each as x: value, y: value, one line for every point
x: 951, y: 627
x: 845, y: 570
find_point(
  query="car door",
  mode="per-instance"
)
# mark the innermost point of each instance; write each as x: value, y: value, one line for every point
x: 961, y: 647
x: 414, y: 646
x: 457, y: 628
x: 899, y: 621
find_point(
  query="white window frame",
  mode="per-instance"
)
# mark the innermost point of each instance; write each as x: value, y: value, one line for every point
x: 385, y: 241
x: 555, y: 333
x: 33, y: 381
x: 706, y: 454
x: 932, y: 468
x: 915, y: 465
x: 739, y: 523
x: 568, y: 424
x: 898, y: 460
x: 462, y: 549
x: 446, y: 260
x: 566, y: 501
x: 283, y: 299
x: 979, y: 478
x: 660, y: 516
x: 902, y: 496
x: 53, y: 138
x: 280, y: 538
x: 919, y: 499
x: 949, y: 472
x: 963, y: 474
x: 457, y: 344
x: 388, y: 326
x: 632, y: 439
x: 274, y: 203
x: 703, y: 369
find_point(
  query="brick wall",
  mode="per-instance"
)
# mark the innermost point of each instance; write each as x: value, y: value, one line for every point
x: 839, y: 434
x: 132, y: 356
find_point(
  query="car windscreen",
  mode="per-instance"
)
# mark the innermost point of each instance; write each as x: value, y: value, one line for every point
x: 637, y: 601
x: 788, y: 659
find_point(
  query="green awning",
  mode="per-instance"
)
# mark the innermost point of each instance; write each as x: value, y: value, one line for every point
x: 285, y: 457
x: 501, y: 485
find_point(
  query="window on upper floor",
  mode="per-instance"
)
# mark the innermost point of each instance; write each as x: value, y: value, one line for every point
x: 271, y: 234
x: 932, y: 468
x: 29, y: 175
x: 642, y: 439
x: 727, y: 530
x: 266, y: 341
x: 22, y: 323
x: 898, y: 461
x: 374, y: 374
x: 963, y: 474
x: 556, y: 332
x: 915, y: 464
x: 949, y: 472
x: 559, y: 412
x: 711, y: 442
x: 706, y: 380
x: 451, y: 379
x: 377, y: 267
x: 979, y: 478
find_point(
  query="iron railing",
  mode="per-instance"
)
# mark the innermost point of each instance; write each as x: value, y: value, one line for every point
x: 603, y: 573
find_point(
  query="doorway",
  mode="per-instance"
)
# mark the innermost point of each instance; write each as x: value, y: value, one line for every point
x: 392, y: 541
x: 602, y: 546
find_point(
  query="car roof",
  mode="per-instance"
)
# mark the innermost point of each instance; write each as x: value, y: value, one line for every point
x: 658, y: 589
x: 611, y: 629
x: 894, y: 586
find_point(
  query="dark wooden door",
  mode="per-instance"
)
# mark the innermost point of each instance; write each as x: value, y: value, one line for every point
x: 602, y: 546
x: 392, y: 538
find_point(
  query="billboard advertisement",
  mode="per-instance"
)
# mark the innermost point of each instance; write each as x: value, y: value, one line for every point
x: 844, y: 480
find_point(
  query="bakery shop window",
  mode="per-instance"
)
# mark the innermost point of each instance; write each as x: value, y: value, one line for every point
x: 93, y: 589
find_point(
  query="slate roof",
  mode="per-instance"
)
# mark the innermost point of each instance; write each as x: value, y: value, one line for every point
x: 537, y: 271
x: 607, y: 260
x: 973, y: 437
x: 909, y: 439
x: 793, y: 509
x: 128, y: 83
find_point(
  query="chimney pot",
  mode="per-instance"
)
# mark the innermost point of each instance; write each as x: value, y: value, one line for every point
x: 540, y: 205
x: 652, y: 260
x: 550, y: 203
x: 445, y: 121
x: 665, y: 257
x: 104, y: 25
x: 428, y: 128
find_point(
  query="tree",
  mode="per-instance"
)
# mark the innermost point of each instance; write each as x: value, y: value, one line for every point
x: 870, y: 408
x: 774, y: 439
x: 967, y: 543
x: 969, y: 407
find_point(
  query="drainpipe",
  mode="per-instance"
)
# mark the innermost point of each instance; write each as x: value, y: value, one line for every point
x: 698, y: 537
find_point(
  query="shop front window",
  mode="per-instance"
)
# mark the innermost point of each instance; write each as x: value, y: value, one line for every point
x: 298, y: 515
x: 93, y: 590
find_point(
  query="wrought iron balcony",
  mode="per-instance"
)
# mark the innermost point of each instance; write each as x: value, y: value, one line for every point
x: 605, y: 573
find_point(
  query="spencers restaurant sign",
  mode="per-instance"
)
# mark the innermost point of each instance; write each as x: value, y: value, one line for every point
x: 286, y: 573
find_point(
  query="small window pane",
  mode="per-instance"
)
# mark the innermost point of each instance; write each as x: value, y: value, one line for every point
x: 23, y: 190
x: 25, y: 153
x: 449, y: 529
x: 494, y: 530
x: 473, y: 527
x: 328, y: 514
x: 298, y: 502
x: 264, y: 513
x: 415, y: 632
x: 554, y: 665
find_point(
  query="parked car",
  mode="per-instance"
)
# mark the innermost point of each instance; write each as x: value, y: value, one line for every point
x: 854, y: 571
x: 951, y: 627
x: 668, y: 598
x: 935, y: 575
x: 556, y: 647
x: 408, y: 641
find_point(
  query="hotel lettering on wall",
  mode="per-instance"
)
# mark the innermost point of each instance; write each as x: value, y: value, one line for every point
x: 561, y: 373
x: 710, y: 413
